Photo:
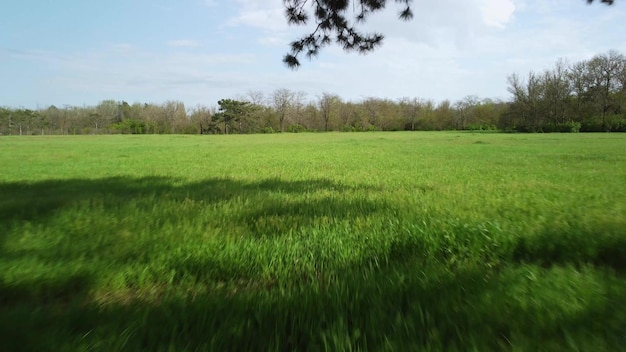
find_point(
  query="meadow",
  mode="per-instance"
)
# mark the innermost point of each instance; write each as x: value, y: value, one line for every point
x: 430, y: 241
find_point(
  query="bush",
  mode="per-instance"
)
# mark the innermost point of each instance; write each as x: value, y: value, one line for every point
x: 131, y: 126
x: 592, y: 125
x: 564, y: 127
x: 348, y: 128
x: 614, y: 123
x: 569, y: 127
x: 267, y: 130
x: 296, y: 128
x: 481, y: 127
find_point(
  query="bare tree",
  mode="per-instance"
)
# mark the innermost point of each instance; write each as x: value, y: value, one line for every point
x: 282, y: 101
x: 255, y: 97
x: 201, y: 117
x: 527, y: 97
x: 298, y: 107
x: 605, y: 71
x: 557, y: 92
x: 325, y: 103
x: 465, y: 111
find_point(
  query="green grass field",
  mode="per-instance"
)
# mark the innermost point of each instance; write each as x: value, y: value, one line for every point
x: 371, y: 241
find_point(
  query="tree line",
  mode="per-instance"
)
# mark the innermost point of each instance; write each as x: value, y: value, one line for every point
x: 282, y: 111
x: 585, y: 96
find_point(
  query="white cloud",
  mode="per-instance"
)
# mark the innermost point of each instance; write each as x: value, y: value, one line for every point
x: 263, y: 14
x: 435, y: 22
x: 497, y: 13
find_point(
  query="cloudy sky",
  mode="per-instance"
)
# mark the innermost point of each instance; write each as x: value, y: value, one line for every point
x: 80, y: 52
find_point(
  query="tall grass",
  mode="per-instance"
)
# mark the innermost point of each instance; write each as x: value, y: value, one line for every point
x: 377, y: 241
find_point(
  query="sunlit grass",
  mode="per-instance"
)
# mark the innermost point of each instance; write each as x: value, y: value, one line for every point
x: 375, y: 241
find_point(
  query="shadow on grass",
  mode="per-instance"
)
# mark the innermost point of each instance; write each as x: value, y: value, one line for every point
x: 388, y: 310
x: 33, y: 201
x: 604, y: 246
x: 401, y: 305
x: 267, y: 208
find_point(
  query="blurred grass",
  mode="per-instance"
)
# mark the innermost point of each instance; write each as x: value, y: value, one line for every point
x: 372, y: 241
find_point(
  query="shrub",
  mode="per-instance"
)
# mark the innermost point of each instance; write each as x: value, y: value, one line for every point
x: 481, y: 127
x: 613, y: 123
x: 131, y: 126
x: 296, y: 128
x: 569, y: 127
x: 348, y: 128
x: 267, y: 130
x: 616, y: 123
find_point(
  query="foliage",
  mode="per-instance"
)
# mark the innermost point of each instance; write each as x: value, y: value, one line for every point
x: 233, y: 111
x: 131, y: 126
x: 296, y: 129
x: 21, y: 122
x: 332, y: 24
x: 267, y: 130
x: 374, y: 241
x: 587, y: 96
x: 565, y: 127
x: 480, y: 127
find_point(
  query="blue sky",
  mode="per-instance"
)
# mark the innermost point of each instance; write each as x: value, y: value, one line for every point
x: 71, y: 52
